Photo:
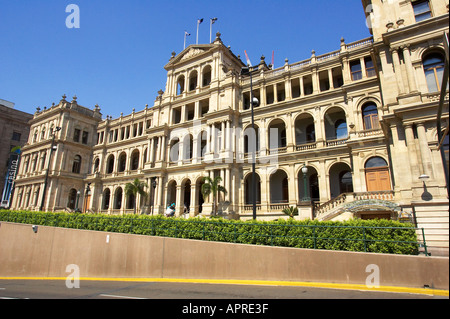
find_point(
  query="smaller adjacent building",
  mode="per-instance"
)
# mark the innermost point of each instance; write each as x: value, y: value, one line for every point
x: 14, y: 131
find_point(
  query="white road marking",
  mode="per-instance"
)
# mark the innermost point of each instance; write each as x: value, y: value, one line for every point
x: 124, y: 297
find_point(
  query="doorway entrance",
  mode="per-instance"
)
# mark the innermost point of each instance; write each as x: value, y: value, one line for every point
x: 377, y: 175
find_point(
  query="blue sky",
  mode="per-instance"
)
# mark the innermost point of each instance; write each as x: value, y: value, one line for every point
x: 116, y: 57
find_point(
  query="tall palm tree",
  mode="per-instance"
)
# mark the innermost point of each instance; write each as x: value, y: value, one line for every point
x: 211, y: 186
x: 134, y: 188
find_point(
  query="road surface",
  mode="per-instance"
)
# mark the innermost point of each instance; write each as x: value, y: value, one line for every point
x: 57, y: 289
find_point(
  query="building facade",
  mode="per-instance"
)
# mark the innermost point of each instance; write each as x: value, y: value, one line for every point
x: 351, y: 133
x: 14, y: 131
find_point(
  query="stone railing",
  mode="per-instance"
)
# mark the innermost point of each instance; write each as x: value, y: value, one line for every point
x: 350, y: 197
x: 333, y: 203
x: 249, y: 207
x: 337, y: 142
x: 382, y: 195
x: 369, y: 133
x: 305, y: 147
x: 278, y: 207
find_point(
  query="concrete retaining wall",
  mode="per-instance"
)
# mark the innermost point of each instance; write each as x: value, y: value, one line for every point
x: 46, y: 253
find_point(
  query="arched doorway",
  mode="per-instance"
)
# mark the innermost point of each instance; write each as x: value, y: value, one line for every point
x: 341, y: 179
x: 171, y: 193
x: 335, y: 124
x: 377, y: 175
x: 248, y: 189
x: 72, y: 198
x: 134, y: 163
x: 118, y: 198
x: 305, y: 132
x: 187, y: 196
x: 251, y: 139
x: 122, y: 162
x: 279, y: 192
x: 106, y: 198
x: 277, y: 134
x: 312, y: 184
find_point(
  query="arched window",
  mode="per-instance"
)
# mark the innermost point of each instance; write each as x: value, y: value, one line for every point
x: 131, y: 199
x: 193, y: 79
x: 43, y: 133
x: 433, y: 65
x: 248, y: 189
x: 134, y: 160
x: 180, y: 85
x: 96, y: 165
x: 370, y: 116
x: 279, y: 191
x: 43, y: 159
x: 188, y: 147
x: 72, y: 198
x: 174, y: 149
x: 375, y: 162
x: 310, y: 133
x: 206, y: 76
x: 341, y: 129
x: 34, y: 163
x: 118, y: 198
x: 277, y: 134
x: 377, y: 175
x: 122, y: 162
x: 110, y: 166
x: 76, y: 168
x: 106, y: 198
x: 345, y: 182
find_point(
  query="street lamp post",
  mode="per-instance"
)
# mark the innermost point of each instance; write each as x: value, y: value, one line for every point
x: 253, y: 102
x: 77, y: 210
x: 152, y: 199
x: 306, y: 197
x: 44, y: 191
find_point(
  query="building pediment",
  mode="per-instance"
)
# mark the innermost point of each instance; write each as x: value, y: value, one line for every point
x: 190, y: 53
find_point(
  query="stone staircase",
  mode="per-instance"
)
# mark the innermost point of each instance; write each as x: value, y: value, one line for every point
x: 345, y: 205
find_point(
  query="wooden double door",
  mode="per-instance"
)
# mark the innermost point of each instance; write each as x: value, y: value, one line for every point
x: 378, y: 179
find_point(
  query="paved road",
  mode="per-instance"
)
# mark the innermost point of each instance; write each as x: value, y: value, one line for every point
x: 56, y: 289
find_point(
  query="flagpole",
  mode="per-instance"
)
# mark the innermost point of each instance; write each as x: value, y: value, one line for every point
x: 212, y: 21
x: 198, y: 24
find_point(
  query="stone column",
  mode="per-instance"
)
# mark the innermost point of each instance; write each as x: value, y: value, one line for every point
x: 398, y: 71
x: 409, y: 69
x: 424, y: 150
x: 415, y: 169
x: 330, y: 78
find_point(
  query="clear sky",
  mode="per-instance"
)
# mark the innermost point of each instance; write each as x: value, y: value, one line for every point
x: 116, y: 58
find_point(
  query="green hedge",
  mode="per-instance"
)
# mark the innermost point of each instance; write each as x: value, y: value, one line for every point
x: 378, y: 236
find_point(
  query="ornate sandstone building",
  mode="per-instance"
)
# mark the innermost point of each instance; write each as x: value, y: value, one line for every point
x: 347, y: 134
